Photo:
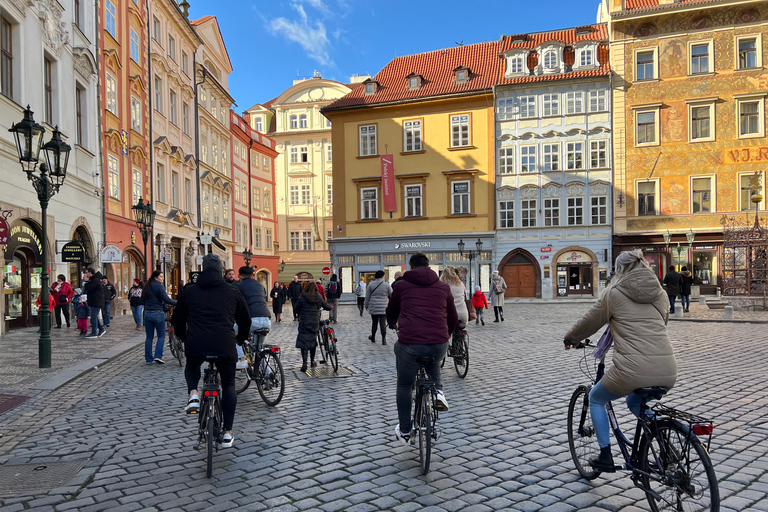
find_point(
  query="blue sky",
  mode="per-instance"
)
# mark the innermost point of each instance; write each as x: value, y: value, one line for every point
x: 271, y: 41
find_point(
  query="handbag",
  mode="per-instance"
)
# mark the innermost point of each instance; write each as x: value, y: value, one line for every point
x: 470, y: 309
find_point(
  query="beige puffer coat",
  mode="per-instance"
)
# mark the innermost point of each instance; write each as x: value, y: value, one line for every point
x: 636, y: 308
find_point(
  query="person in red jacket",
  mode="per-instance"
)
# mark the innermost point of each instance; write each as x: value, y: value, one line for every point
x: 422, y: 308
x: 62, y: 294
x: 479, y: 302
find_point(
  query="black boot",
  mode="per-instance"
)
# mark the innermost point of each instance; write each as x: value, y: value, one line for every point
x: 372, y: 337
x: 383, y: 339
x: 501, y: 313
x: 603, y: 463
x: 496, y: 313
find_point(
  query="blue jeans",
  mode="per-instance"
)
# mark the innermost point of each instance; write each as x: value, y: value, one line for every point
x: 137, y: 311
x: 672, y: 303
x: 686, y: 302
x: 105, y: 312
x: 407, y: 368
x: 154, y: 320
x: 598, y: 398
x: 96, y: 326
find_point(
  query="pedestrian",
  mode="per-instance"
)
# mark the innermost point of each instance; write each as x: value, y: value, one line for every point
x: 62, y: 294
x: 276, y: 294
x: 376, y: 301
x: 155, y: 297
x: 635, y: 309
x: 673, y: 282
x: 110, y: 294
x: 82, y: 312
x: 459, y: 294
x: 294, y: 292
x: 685, y: 288
x: 479, y: 302
x: 137, y: 302
x: 360, y: 292
x: 94, y: 290
x: 308, y: 310
x: 333, y: 294
x: 229, y: 275
x: 498, y: 287
x: 51, y: 303
x: 398, y: 277
x: 320, y: 289
x: 204, y: 318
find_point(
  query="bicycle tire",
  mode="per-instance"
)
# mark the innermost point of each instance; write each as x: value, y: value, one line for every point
x: 461, y: 355
x: 171, y: 345
x: 321, y: 345
x: 333, y: 354
x: 688, y: 480
x: 243, y: 378
x: 209, y: 439
x: 178, y: 350
x: 582, y: 440
x: 271, y: 386
x: 425, y: 432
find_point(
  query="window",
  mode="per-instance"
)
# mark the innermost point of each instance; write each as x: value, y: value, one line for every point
x: 158, y: 94
x: 135, y: 47
x: 551, y: 212
x: 135, y: 114
x: 216, y: 208
x: 574, y: 154
x: 306, y: 240
x: 302, y: 155
x: 294, y: 122
x: 413, y: 82
x: 257, y: 238
x: 259, y: 125
x: 528, y: 213
x: 77, y: 13
x: 527, y: 158
x: 597, y: 101
x: 515, y: 64
x: 185, y: 118
x: 175, y: 189
x: 114, y: 177
x: 644, y: 65
x: 550, y: 59
x: 748, y: 54
x: 295, y: 240
x: 6, y: 57
x: 598, y: 151
x: 702, y: 195
x: 111, y: 94
x: 575, y: 211
x: 646, y: 198
x: 701, y: 122
x: 255, y: 198
x: 460, y: 197
x: 269, y: 238
x: 699, y: 58
x: 506, y: 214
x: 264, y: 163
x: 747, y: 190
x: 587, y: 56
x: 294, y: 155
x: 551, y: 104
x: 160, y: 188
x: 156, y: 29
x: 238, y: 233
x: 412, y: 135
x: 303, y: 121
x: 646, y: 127
x: 527, y: 106
x: 460, y: 131
x: 506, y: 108
x: 329, y: 234
x: 137, y: 188
x: 368, y: 140
x: 80, y: 113
x: 329, y: 193
x: 369, y: 207
x: 293, y: 194
x: 111, y: 19
x: 267, y: 201
x: 413, y: 200
x: 48, y: 90
x: 506, y: 160
x: 172, y: 103
x: 187, y: 194
x: 244, y: 193
x: 204, y: 149
x: 184, y: 62
x: 750, y: 118
x: 215, y: 154
x: 171, y: 47
x: 551, y: 156
x: 206, y: 207
x: 599, y: 210
x: 305, y: 195
x: 213, y: 106
x: 370, y: 88
x: 574, y: 102
x: 462, y: 75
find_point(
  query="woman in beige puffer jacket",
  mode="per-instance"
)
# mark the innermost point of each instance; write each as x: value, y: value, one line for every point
x: 636, y: 308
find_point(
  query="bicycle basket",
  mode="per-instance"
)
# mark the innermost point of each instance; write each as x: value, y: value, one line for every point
x: 700, y: 426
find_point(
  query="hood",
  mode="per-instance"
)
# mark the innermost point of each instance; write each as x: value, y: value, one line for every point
x: 97, y: 276
x: 478, y: 293
x: 641, y: 285
x: 210, y: 278
x: 686, y: 273
x: 422, y: 276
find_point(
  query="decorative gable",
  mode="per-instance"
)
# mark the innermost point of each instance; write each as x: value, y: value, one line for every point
x: 586, y: 55
x: 550, y: 58
x: 516, y: 63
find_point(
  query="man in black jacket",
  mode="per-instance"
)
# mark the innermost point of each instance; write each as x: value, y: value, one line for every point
x: 332, y: 296
x: 109, y: 295
x: 204, y: 318
x: 94, y: 288
x: 294, y: 292
x: 672, y: 283
x: 256, y: 297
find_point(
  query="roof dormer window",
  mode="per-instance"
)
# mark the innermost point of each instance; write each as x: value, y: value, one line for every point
x: 461, y: 74
x: 371, y: 86
x: 516, y: 64
x: 586, y: 55
x: 550, y: 59
x: 414, y: 80
x: 583, y: 31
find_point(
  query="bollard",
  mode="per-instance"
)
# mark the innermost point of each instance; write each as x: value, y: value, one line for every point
x: 728, y: 313
x: 679, y: 312
x: 702, y: 299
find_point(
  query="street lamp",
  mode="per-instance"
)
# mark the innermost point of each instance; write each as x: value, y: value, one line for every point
x: 689, y: 236
x: 247, y: 256
x: 145, y: 220
x: 471, y: 255
x: 282, y: 265
x: 47, y: 180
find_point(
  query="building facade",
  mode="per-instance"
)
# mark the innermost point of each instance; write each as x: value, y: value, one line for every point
x: 689, y: 119
x: 414, y: 166
x: 48, y: 54
x: 553, y: 163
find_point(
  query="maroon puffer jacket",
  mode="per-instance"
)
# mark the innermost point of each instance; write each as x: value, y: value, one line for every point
x: 422, y: 306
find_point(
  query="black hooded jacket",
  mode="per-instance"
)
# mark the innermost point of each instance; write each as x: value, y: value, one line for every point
x: 95, y: 291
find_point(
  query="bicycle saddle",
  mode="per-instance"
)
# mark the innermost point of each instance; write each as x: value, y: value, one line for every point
x: 423, y: 361
x: 654, y: 392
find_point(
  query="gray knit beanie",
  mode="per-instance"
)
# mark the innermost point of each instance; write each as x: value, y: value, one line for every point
x: 213, y: 262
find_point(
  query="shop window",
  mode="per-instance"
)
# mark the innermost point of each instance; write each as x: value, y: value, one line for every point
x: 705, y: 265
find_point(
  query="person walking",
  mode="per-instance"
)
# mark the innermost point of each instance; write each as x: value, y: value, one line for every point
x: 673, y: 282
x: 459, y: 294
x: 308, y: 311
x: 137, y: 302
x: 360, y: 292
x: 498, y: 287
x: 62, y: 294
x: 685, y: 288
x: 333, y: 294
x: 155, y: 297
x: 376, y: 301
x: 95, y: 292
x: 82, y: 312
x: 294, y: 292
x: 110, y: 294
x: 479, y: 302
x: 398, y: 278
x: 276, y: 294
x: 229, y: 275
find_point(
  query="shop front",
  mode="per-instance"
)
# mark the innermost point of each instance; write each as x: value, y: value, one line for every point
x: 575, y: 271
x: 23, y: 268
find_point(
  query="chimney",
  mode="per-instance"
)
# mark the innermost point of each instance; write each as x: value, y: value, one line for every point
x: 184, y: 5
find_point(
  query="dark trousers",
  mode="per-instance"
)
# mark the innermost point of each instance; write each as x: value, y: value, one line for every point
x: 293, y: 306
x: 227, y: 370
x: 59, y: 309
x: 105, y: 312
x: 498, y: 311
x: 407, y: 368
x: 672, y: 303
x: 96, y: 326
x: 381, y: 322
x: 311, y: 354
x: 686, y: 302
x: 361, y: 304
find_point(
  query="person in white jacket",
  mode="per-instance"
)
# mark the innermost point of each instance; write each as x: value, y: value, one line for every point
x: 459, y: 292
x: 360, y: 292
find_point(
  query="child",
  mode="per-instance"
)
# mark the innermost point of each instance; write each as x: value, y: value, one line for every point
x: 82, y: 311
x: 479, y: 302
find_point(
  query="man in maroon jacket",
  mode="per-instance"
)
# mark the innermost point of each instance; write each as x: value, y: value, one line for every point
x: 422, y: 308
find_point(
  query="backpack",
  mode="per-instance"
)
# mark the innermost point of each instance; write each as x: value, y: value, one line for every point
x: 358, y: 290
x: 499, y: 288
x: 332, y: 290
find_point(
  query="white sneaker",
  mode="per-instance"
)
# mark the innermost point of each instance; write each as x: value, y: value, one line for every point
x: 227, y: 440
x: 442, y: 403
x: 193, y: 405
x: 404, y: 439
x: 242, y: 365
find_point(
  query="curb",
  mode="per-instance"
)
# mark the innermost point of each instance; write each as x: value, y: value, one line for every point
x: 719, y: 320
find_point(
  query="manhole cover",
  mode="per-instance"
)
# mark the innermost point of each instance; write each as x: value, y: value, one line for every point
x: 37, y: 477
x: 328, y: 372
x: 8, y: 402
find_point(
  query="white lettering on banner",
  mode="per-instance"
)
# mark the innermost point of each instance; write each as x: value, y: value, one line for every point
x: 413, y: 245
x: 111, y: 254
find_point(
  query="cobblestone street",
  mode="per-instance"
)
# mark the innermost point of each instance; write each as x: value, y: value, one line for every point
x: 329, y: 444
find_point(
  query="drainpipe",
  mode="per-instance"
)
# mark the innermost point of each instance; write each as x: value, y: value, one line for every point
x: 613, y: 173
x: 197, y: 140
x: 151, y: 85
x: 100, y: 167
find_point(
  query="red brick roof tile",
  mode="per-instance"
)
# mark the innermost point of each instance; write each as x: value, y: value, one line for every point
x: 653, y: 5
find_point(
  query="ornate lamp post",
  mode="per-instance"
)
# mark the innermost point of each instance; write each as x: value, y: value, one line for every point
x: 282, y: 265
x: 689, y: 236
x: 471, y: 255
x: 47, y: 180
x: 247, y: 256
x: 145, y: 220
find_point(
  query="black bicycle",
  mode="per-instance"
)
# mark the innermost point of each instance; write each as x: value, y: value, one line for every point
x: 326, y: 342
x: 458, y: 349
x: 174, y: 343
x: 424, y: 395
x: 210, y: 427
x: 667, y: 458
x: 264, y: 368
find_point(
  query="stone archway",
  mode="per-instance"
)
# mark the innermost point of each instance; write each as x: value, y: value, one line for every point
x: 594, y: 267
x: 522, y: 274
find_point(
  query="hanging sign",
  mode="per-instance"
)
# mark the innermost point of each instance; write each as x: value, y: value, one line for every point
x: 5, y: 231
x: 111, y: 254
x: 73, y: 252
x: 388, y: 183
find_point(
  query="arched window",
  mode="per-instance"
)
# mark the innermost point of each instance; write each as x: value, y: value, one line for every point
x: 550, y: 59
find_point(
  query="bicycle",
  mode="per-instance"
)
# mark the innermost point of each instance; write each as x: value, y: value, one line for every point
x: 264, y: 368
x: 424, y: 397
x: 326, y: 341
x: 210, y: 426
x: 174, y: 343
x: 667, y: 459
x: 458, y: 349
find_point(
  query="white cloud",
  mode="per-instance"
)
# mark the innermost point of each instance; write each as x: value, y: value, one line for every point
x: 312, y: 37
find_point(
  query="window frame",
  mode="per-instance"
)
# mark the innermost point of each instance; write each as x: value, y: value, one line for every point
x: 710, y: 105
x: 329, y: 193
x: 80, y: 110
x: 529, y: 206
x: 413, y: 202
x: 48, y: 104
x: 307, y: 241
x: 110, y: 19
x: 293, y: 122
x: 374, y: 201
x: 111, y: 95
x: 656, y: 197
x: 461, y: 195
x: 460, y: 123
x: 175, y: 196
x: 6, y: 57
x: 416, y: 133
x: 712, y: 191
x: 557, y: 162
x: 171, y: 46
x: 160, y: 188
x: 136, y: 114
x: 157, y: 30
x: 599, y: 95
x: 305, y: 194
x: 185, y: 118
x: 293, y: 195
x: 598, y: 208
x: 762, y: 203
x: 741, y: 99
x: 528, y: 106
x: 303, y: 121
x: 505, y: 109
x: 159, y: 94
x: 137, y: 185
x: 571, y: 209
x: 506, y: 214
x: 517, y: 58
x: 551, y: 101
x: 656, y: 129
x: 551, y: 213
x: 578, y: 100
x: 709, y: 56
x: 114, y: 176
x: 506, y: 160
x: 372, y: 131
x: 294, y: 240
x: 172, y: 111
x: 579, y: 154
x: 329, y: 153
x: 135, y: 49
x: 758, y: 51
x: 528, y: 159
x: 654, y: 51
x: 597, y: 150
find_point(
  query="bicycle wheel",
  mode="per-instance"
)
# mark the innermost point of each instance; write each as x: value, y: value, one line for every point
x: 582, y: 440
x: 270, y: 379
x: 177, y: 347
x: 425, y: 432
x: 321, y: 346
x: 681, y: 474
x: 243, y: 377
x: 209, y: 439
x: 461, y: 355
x: 171, y: 337
x: 333, y: 354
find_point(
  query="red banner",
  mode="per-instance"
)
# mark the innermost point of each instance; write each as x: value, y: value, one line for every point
x: 388, y: 183
x: 4, y: 231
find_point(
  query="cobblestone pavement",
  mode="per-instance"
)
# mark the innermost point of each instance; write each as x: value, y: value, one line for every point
x: 329, y: 444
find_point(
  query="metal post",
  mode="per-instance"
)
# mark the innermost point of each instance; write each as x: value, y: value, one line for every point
x: 144, y: 236
x: 44, y: 347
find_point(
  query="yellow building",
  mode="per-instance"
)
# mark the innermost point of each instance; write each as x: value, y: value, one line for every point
x: 414, y: 165
x: 689, y: 91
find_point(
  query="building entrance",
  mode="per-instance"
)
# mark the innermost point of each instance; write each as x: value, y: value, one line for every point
x: 520, y: 279
x: 574, y: 274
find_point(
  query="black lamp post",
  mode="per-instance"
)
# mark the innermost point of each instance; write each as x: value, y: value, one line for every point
x: 282, y: 265
x: 47, y: 180
x: 145, y: 220
x: 471, y: 255
x: 679, y: 249
x: 247, y: 256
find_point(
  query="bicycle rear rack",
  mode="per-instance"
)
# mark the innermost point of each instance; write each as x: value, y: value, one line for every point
x: 699, y: 425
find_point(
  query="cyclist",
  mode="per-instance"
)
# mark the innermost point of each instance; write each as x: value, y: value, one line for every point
x: 256, y: 297
x: 203, y: 318
x: 423, y: 309
x: 636, y: 308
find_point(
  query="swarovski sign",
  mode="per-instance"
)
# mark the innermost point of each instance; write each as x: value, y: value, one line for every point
x: 413, y: 245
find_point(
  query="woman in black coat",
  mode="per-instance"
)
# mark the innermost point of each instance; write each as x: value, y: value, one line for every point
x: 276, y: 294
x: 308, y: 310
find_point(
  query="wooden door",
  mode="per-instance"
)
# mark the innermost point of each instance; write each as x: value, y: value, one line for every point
x: 520, y: 279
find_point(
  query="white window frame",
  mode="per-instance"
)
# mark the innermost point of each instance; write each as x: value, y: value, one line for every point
x: 578, y: 155
x: 268, y: 236
x: 550, y: 159
x: 135, y: 47
x: 553, y: 64
x: 259, y: 124
x: 529, y: 213
x: 599, y: 210
x: 527, y: 106
x: 758, y: 50
x: 528, y: 158
x: 598, y: 98
x: 710, y: 57
x: 414, y: 204
x: 307, y: 242
x: 112, y: 94
x: 712, y: 192
x: 137, y: 187
x: 329, y: 193
x: 505, y: 109
x: 303, y: 154
x: 656, y: 197
x: 550, y: 104
x: 136, y: 117
x: 113, y: 167
x: 267, y: 200
x: 598, y: 147
x: 656, y: 129
x: 329, y: 153
x: 172, y: 47
x: 514, y: 61
x: 586, y: 53
x: 574, y: 103
x: 460, y: 196
x: 295, y: 240
x: 174, y: 189
x: 373, y: 203
x: 507, y: 160
x: 551, y: 212
x: 741, y: 99
x: 654, y: 50
x: 750, y: 206
x: 367, y: 135
x: 294, y: 154
x: 158, y: 94
x: 305, y: 194
x: 507, y: 207
x: 462, y: 137
x: 412, y: 137
x: 257, y: 238
x: 303, y: 121
x: 294, y: 122
x: 293, y: 195
x: 574, y: 210
x: 172, y: 111
x: 710, y: 105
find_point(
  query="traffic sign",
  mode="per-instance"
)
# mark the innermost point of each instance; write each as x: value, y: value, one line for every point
x: 326, y: 271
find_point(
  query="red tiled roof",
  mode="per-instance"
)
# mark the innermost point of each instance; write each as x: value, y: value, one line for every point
x: 640, y: 4
x: 436, y: 69
x: 566, y: 36
x: 650, y: 5
x: 201, y: 20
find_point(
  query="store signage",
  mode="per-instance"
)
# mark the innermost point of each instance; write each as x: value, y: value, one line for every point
x: 574, y: 257
x: 746, y: 155
x: 73, y: 252
x: 111, y: 254
x: 543, y: 257
x: 388, y: 183
x: 26, y: 235
x: 698, y: 247
x: 167, y: 255
x: 413, y: 245
x: 5, y: 231
x: 546, y: 249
